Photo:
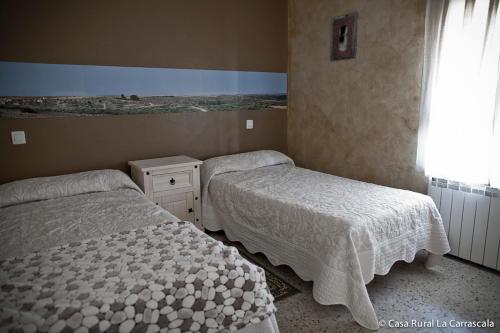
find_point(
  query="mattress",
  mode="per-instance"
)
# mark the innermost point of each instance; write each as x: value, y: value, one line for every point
x: 91, y: 252
x: 333, y: 231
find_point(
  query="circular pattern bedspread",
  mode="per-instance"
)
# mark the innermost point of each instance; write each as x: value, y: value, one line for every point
x: 169, y: 277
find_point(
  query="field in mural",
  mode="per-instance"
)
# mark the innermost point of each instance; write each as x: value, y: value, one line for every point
x: 34, y: 107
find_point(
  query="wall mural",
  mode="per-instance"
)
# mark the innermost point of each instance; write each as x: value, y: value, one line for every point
x: 30, y: 90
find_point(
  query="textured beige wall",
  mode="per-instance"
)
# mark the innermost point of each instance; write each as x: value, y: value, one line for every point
x: 357, y: 118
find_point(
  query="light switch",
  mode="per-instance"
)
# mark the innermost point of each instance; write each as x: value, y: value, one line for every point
x: 18, y: 137
x: 249, y: 124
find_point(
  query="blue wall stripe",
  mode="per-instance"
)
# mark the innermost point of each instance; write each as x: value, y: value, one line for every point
x: 31, y: 79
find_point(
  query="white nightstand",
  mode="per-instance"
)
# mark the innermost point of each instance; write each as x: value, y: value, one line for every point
x: 173, y: 183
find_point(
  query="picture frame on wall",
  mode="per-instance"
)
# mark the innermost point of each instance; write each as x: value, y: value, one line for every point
x: 344, y: 37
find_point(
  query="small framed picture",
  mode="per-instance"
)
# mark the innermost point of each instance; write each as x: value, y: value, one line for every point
x: 344, y: 37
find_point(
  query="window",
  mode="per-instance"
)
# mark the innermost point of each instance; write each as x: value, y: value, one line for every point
x: 459, y: 135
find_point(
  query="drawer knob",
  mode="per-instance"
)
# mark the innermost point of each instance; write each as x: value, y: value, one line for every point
x: 190, y: 210
x: 172, y: 181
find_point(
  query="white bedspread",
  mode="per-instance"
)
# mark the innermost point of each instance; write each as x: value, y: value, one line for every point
x: 39, y: 213
x: 334, y: 231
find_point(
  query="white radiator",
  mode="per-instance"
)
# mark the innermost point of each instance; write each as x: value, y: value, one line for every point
x: 471, y: 220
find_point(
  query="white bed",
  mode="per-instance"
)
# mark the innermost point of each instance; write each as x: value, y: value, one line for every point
x: 333, y: 231
x: 90, y: 251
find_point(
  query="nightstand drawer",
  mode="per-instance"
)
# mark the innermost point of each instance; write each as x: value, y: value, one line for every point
x: 172, y: 180
x: 180, y: 205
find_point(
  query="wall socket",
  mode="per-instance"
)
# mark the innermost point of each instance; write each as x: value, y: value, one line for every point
x: 249, y: 124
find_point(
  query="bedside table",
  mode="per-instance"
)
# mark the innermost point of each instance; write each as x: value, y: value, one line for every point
x: 173, y: 183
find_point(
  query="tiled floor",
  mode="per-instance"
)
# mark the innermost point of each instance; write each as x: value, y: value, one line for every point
x: 454, y: 290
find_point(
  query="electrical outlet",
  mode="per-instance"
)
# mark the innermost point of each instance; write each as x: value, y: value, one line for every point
x: 249, y: 124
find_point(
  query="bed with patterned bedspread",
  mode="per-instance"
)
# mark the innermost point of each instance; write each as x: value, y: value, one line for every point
x: 158, y: 277
x: 337, y: 232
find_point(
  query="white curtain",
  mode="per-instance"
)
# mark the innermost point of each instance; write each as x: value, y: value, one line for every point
x: 459, y: 134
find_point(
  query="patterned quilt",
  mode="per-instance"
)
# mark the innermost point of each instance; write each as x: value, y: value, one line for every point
x: 168, y: 277
x: 334, y: 231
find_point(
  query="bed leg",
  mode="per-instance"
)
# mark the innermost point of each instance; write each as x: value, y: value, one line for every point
x: 432, y: 260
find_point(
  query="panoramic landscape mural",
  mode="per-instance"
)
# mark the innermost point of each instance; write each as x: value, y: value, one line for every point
x: 30, y: 90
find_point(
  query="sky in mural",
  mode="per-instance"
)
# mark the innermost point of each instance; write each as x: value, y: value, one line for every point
x: 44, y: 90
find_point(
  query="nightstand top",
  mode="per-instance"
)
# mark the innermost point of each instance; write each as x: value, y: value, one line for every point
x: 163, y: 162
